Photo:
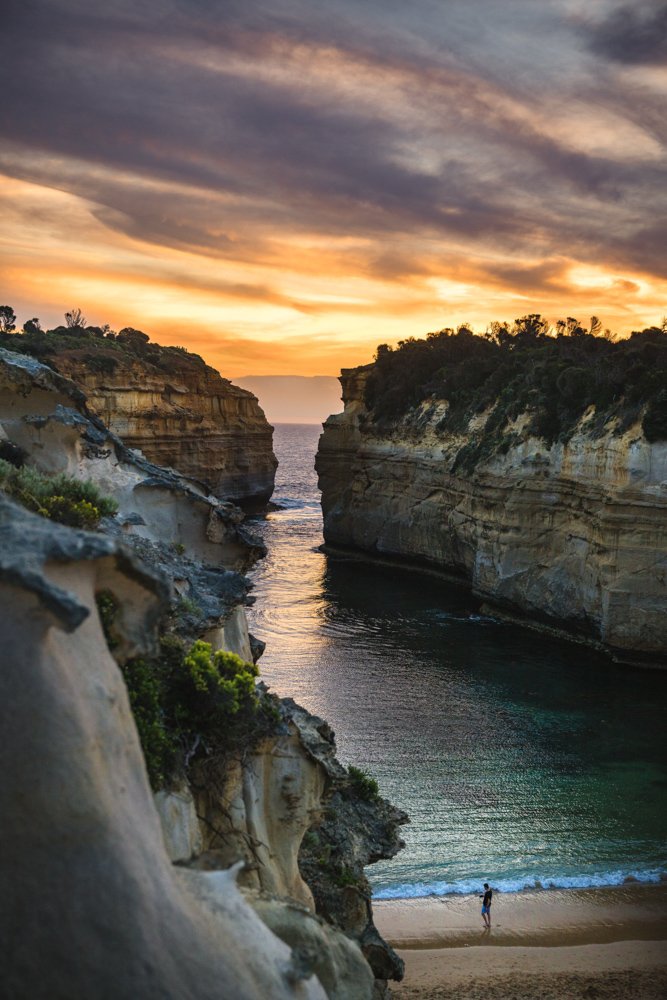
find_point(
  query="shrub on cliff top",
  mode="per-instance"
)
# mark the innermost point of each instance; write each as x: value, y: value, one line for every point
x: 61, y: 498
x: 524, y: 368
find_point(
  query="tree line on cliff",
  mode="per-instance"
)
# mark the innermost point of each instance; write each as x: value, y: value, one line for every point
x: 554, y: 374
x: 99, y: 348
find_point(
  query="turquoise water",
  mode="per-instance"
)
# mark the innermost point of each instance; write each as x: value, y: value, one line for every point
x: 520, y: 759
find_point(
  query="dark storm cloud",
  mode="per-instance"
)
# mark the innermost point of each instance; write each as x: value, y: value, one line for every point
x: 142, y: 109
x: 632, y: 33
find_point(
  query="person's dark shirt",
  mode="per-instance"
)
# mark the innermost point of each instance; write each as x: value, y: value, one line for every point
x: 487, y: 897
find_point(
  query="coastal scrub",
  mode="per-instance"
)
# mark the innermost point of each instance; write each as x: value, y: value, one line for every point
x: 77, y: 503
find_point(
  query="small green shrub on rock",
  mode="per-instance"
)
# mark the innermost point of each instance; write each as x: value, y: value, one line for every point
x: 362, y: 785
x: 146, y: 691
x: 654, y: 423
x: 190, y: 706
x: 210, y: 688
x: 77, y: 503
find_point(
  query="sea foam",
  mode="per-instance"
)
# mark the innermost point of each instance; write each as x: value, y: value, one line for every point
x: 465, y: 887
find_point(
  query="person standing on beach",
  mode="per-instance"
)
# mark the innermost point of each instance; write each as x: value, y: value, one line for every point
x: 486, y: 905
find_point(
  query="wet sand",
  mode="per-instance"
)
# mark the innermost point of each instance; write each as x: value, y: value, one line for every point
x: 590, y: 943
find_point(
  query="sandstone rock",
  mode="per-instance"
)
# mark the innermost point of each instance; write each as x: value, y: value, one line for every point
x: 572, y: 537
x: 46, y: 416
x: 92, y: 906
x: 180, y: 412
x: 327, y: 952
x: 259, y: 810
x: 179, y: 822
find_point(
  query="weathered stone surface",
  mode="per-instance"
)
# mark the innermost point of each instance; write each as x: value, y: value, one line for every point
x: 164, y: 558
x: 573, y: 536
x: 259, y: 810
x: 180, y: 826
x: 352, y: 832
x: 46, y: 415
x: 186, y: 416
x: 92, y: 906
x: 327, y: 952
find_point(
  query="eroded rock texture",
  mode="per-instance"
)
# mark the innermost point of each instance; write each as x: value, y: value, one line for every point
x: 92, y: 903
x: 288, y: 809
x: 92, y: 906
x: 182, y: 413
x: 572, y: 536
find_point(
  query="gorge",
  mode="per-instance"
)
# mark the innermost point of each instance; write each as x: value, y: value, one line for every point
x: 162, y: 844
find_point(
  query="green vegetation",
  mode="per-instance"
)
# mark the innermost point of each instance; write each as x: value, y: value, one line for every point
x: 554, y: 375
x: 362, y: 785
x: 190, y: 706
x: 99, y: 348
x: 61, y: 498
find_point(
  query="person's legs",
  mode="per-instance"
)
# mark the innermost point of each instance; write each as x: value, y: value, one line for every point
x: 485, y: 917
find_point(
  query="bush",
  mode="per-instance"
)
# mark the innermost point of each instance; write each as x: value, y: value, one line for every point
x: 362, y: 785
x: 104, y: 364
x: 61, y: 498
x: 190, y: 706
x: 146, y: 691
x: 210, y: 688
x: 654, y: 423
x: 523, y: 368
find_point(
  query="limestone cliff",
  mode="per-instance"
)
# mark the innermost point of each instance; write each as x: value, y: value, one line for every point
x: 88, y: 831
x: 570, y: 534
x: 92, y: 906
x: 170, y: 405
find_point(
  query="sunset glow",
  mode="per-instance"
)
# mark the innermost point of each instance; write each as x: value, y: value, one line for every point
x: 282, y: 187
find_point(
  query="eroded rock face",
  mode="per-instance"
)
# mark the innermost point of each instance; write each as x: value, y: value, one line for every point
x: 46, y: 416
x: 573, y: 536
x: 92, y: 906
x: 187, y: 417
x: 166, y: 558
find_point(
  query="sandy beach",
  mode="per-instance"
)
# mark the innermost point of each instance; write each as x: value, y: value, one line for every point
x: 589, y: 943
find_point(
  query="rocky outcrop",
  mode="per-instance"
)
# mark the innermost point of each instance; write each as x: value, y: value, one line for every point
x: 91, y: 904
x: 289, y: 809
x: 82, y: 825
x: 181, y: 413
x: 571, y: 536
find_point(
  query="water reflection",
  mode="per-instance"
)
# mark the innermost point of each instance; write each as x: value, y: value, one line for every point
x: 517, y: 756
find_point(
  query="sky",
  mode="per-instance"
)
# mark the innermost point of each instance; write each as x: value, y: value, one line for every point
x: 282, y: 185
x: 295, y: 399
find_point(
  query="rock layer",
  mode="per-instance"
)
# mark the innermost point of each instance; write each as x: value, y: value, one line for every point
x: 572, y: 536
x: 93, y: 904
x: 186, y: 416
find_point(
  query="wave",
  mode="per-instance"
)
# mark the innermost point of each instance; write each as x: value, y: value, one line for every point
x: 466, y: 887
x: 292, y: 503
x: 447, y: 617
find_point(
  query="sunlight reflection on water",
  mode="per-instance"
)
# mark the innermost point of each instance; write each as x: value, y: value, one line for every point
x: 518, y: 758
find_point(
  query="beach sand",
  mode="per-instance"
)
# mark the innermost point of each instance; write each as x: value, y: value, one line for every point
x: 588, y: 944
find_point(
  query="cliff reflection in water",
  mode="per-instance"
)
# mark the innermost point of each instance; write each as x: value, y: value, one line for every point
x: 518, y: 757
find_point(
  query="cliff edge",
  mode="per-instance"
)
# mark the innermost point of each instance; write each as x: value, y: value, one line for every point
x: 168, y: 403
x: 538, y: 481
x: 157, y: 800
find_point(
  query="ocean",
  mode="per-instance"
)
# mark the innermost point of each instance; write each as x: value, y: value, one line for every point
x: 522, y: 760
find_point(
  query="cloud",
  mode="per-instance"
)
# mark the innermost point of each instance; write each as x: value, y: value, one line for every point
x: 631, y: 33
x: 340, y: 158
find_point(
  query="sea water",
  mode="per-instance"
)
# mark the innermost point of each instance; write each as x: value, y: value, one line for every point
x: 521, y: 760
